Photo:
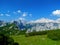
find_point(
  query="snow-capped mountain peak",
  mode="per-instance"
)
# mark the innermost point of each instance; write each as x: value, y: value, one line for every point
x: 42, y: 20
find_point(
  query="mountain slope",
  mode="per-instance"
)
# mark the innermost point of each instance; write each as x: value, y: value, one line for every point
x: 9, y: 29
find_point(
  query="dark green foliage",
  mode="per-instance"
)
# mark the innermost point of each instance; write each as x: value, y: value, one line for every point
x: 36, y: 33
x: 16, y: 43
x: 6, y: 40
x: 22, y: 32
x: 54, y: 34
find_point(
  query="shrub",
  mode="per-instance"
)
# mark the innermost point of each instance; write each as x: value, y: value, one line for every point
x: 54, y: 34
x: 15, y: 43
x: 6, y: 40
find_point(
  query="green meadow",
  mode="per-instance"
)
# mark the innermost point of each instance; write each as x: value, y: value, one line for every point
x: 51, y: 37
x: 34, y: 40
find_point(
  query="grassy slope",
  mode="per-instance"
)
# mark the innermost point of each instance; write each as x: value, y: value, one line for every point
x: 35, y: 40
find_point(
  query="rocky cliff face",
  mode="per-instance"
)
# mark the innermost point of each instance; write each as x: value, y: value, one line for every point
x: 43, y: 24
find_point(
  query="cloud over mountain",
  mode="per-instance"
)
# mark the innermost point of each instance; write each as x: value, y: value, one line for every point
x: 56, y: 12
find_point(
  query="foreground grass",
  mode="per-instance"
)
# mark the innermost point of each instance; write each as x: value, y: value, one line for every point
x: 34, y: 40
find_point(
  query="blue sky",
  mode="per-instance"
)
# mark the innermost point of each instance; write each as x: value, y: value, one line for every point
x: 29, y: 9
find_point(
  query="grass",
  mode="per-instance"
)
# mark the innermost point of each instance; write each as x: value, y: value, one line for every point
x: 34, y: 40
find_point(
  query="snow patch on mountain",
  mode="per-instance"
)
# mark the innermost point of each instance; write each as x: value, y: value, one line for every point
x: 45, y: 20
x: 43, y: 24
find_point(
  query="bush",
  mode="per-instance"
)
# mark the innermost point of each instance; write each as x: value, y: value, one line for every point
x: 6, y: 40
x: 54, y: 34
x: 15, y: 43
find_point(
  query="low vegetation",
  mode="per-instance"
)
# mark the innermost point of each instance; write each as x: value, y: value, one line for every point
x: 34, y: 40
x: 54, y: 34
x: 6, y: 40
x: 36, y: 33
x: 50, y: 37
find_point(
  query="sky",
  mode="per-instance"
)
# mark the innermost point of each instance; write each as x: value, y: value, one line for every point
x: 29, y: 9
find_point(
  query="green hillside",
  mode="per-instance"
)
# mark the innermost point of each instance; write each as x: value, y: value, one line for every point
x: 11, y: 29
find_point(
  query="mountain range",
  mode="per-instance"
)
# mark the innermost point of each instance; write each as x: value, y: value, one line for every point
x: 37, y: 25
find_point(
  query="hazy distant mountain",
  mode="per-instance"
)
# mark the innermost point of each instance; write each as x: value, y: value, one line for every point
x: 2, y: 23
x: 20, y: 24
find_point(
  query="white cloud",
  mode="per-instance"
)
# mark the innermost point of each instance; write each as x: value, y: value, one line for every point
x: 19, y: 11
x: 1, y: 14
x: 7, y: 14
x: 56, y: 12
x: 24, y: 14
x: 21, y: 18
x: 4, y: 14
